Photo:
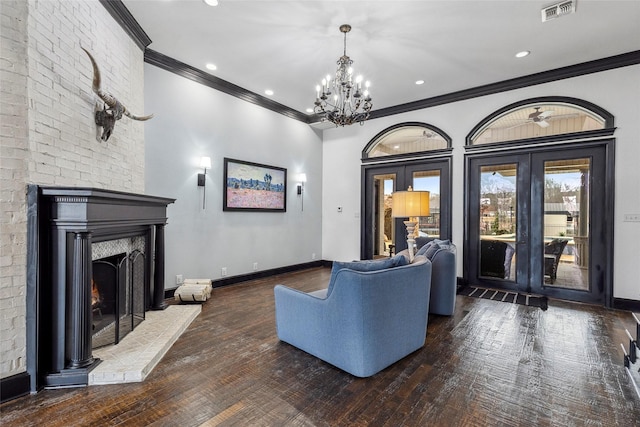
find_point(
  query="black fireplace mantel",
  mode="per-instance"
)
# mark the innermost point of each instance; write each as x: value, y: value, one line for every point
x: 63, y: 222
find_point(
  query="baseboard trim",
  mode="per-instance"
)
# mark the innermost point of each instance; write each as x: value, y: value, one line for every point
x: 626, y: 304
x: 218, y: 283
x: 15, y: 386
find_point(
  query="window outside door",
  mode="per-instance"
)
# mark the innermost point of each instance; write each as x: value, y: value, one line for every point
x: 384, y: 235
x: 538, y: 223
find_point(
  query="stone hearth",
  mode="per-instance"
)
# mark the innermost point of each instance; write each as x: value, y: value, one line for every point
x: 133, y: 358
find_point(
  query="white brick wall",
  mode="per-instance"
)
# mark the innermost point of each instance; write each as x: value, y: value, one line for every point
x: 47, y: 130
x: 13, y: 177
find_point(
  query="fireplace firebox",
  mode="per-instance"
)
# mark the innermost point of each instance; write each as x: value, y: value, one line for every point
x: 95, y: 265
x: 117, y: 296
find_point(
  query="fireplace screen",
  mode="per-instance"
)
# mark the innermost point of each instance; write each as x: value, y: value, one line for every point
x: 117, y: 296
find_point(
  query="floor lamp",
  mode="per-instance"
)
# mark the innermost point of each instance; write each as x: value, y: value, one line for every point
x: 412, y: 205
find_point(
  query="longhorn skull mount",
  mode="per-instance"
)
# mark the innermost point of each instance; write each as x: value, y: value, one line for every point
x: 107, y: 117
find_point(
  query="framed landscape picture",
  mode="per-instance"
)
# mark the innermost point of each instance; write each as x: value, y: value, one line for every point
x: 253, y: 187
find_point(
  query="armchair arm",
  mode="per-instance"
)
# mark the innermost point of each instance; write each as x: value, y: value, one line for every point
x: 299, y: 315
x: 443, y: 282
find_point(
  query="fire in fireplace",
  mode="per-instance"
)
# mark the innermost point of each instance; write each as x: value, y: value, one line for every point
x: 96, y: 298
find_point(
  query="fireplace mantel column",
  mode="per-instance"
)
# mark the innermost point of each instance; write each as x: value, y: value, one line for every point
x: 80, y: 355
x: 158, y: 270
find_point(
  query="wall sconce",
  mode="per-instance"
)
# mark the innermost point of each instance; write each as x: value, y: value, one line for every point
x: 205, y: 163
x: 302, y: 178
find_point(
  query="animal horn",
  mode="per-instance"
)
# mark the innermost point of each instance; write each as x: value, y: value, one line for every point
x: 134, y: 117
x: 109, y: 99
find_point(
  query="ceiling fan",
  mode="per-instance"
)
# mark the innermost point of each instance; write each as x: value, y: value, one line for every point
x: 539, y: 117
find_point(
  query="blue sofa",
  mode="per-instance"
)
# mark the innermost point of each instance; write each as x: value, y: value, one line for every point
x: 364, y: 321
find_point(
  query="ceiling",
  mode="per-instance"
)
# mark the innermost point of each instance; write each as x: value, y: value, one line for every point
x: 288, y: 46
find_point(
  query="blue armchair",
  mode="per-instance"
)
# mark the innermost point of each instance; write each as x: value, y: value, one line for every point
x: 444, y: 287
x: 364, y: 322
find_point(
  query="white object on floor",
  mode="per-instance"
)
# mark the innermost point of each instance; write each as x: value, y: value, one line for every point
x: 193, y: 290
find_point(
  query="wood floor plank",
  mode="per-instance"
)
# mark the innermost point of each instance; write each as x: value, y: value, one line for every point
x: 489, y: 364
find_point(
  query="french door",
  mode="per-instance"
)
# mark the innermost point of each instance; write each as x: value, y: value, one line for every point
x: 541, y: 222
x: 383, y: 235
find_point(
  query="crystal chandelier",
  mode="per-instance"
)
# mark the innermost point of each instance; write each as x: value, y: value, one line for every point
x: 342, y: 100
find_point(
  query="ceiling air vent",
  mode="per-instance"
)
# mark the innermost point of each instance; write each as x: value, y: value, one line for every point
x: 558, y: 9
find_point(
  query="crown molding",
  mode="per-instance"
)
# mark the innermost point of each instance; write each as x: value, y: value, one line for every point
x: 599, y: 65
x: 188, y: 72
x: 121, y: 14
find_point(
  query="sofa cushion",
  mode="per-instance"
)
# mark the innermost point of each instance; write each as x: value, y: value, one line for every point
x: 366, y: 265
x: 400, y: 260
x: 444, y: 244
x: 405, y: 254
x: 424, y: 248
x: 431, y: 251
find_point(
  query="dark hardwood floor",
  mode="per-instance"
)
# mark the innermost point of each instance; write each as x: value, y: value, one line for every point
x: 491, y: 364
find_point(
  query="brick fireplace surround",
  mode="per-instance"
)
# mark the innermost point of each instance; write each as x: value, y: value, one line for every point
x: 63, y: 223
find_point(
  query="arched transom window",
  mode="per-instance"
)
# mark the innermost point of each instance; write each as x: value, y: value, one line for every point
x: 406, y: 138
x: 539, y: 118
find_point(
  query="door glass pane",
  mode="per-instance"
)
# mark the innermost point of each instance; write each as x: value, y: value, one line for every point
x: 497, y: 225
x: 383, y: 224
x: 566, y: 223
x: 429, y: 226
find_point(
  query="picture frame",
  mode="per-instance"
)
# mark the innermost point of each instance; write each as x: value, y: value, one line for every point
x: 249, y: 186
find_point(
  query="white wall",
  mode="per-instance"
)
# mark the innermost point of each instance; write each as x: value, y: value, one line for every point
x: 192, y: 120
x: 616, y: 91
x: 48, y: 134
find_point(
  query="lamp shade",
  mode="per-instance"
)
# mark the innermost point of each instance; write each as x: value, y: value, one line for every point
x: 302, y: 177
x: 410, y: 204
x: 205, y: 162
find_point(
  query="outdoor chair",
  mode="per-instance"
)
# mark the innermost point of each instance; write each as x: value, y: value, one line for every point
x: 495, y: 258
x: 552, y: 253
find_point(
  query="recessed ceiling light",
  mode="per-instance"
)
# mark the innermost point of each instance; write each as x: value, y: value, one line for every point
x: 396, y: 147
x: 309, y: 110
x: 522, y: 54
x: 268, y: 92
x: 419, y: 82
x: 211, y: 67
x: 211, y: 2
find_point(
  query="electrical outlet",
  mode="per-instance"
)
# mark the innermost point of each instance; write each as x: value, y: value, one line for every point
x: 255, y: 266
x: 631, y: 217
x: 313, y: 256
x: 223, y: 272
x: 179, y: 279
